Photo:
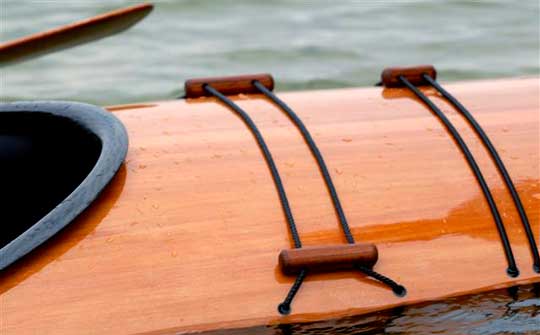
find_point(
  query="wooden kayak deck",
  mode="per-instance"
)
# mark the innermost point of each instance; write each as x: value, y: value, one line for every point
x: 187, y: 236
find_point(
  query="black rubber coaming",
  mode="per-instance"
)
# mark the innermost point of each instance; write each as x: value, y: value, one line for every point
x: 114, y: 146
x: 498, y: 163
x: 512, y: 269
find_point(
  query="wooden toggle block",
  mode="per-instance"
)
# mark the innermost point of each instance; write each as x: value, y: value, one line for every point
x: 228, y: 85
x: 328, y: 258
x: 390, y: 75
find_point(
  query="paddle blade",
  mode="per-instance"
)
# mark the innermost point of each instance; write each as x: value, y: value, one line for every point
x: 72, y: 35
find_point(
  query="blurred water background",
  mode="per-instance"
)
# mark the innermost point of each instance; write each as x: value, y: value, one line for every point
x: 304, y: 44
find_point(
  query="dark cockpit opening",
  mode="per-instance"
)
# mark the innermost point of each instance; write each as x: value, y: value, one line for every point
x: 43, y: 159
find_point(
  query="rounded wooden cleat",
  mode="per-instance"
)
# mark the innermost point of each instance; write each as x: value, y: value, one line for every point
x: 328, y: 258
x: 390, y: 75
x: 243, y: 84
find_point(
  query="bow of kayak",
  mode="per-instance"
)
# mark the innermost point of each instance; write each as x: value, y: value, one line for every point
x: 187, y: 235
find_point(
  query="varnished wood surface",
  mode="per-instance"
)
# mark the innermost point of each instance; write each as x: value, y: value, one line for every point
x: 327, y: 258
x: 186, y: 237
x: 194, y: 88
x: 390, y: 76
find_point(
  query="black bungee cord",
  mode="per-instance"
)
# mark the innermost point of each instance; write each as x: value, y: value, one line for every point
x: 267, y: 156
x: 396, y: 288
x: 512, y: 269
x: 498, y: 162
x: 284, y: 307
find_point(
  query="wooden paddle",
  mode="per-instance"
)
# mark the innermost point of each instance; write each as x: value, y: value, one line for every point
x: 73, y: 34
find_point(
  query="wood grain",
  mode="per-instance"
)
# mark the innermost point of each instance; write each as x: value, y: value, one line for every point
x: 186, y: 238
x: 327, y: 258
x: 390, y: 76
x: 233, y: 85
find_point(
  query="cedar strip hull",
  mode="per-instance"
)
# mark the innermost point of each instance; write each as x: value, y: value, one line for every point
x: 187, y: 236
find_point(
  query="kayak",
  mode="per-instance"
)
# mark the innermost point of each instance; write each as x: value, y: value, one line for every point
x: 186, y: 236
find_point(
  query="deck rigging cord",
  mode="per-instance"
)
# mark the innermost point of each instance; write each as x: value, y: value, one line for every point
x: 316, y: 153
x: 498, y: 162
x: 267, y: 156
x: 396, y: 288
x: 284, y: 307
x: 512, y: 269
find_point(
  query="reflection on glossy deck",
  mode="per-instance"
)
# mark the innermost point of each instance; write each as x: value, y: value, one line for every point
x: 187, y: 237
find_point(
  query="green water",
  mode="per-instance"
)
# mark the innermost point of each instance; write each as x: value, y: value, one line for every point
x: 304, y: 44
